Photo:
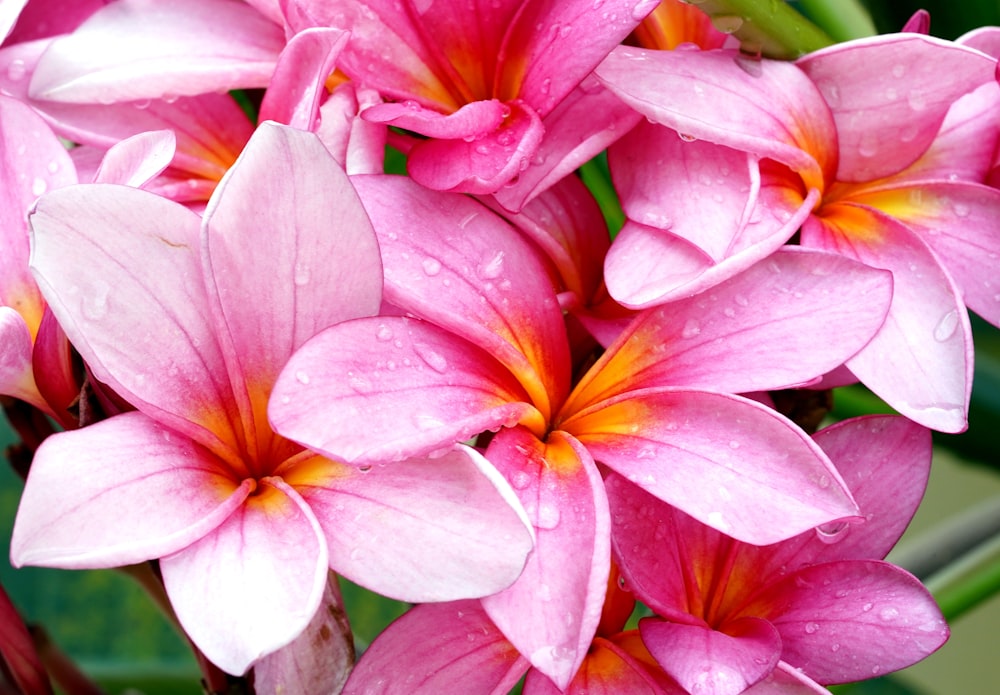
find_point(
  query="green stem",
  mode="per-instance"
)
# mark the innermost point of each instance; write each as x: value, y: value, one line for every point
x: 843, y: 20
x: 966, y: 583
x: 768, y: 27
x: 596, y: 177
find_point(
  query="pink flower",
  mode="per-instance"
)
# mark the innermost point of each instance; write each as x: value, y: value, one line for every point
x: 190, y: 321
x: 483, y: 348
x: 846, y: 143
x: 823, y: 603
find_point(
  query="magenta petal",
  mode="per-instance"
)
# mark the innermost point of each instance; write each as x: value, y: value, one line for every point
x: 317, y: 661
x: 301, y: 274
x: 887, y: 96
x: 254, y: 584
x: 139, y: 50
x: 920, y: 361
x: 851, y: 620
x: 474, y: 120
x: 552, y: 611
x: 416, y: 388
x: 760, y: 478
x: 484, y: 164
x: 423, y: 530
x: 297, y: 86
x: 139, y: 492
x: 438, y: 648
x: 706, y: 661
x: 21, y: 661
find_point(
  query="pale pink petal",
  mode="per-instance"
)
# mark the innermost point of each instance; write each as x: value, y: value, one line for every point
x: 553, y: 44
x: 438, y: 648
x: 487, y: 162
x: 920, y: 361
x: 452, y: 261
x: 317, y: 661
x: 298, y: 84
x: 552, y: 611
x: 887, y: 96
x: 420, y: 530
x: 136, y: 160
x: 357, y: 145
x: 582, y: 125
x: 787, y: 680
x: 389, y: 388
x: 985, y: 39
x: 137, y: 49
x: 766, y: 107
x: 253, y: 584
x: 16, y: 378
x: 759, y: 478
x: 308, y: 261
x: 138, y: 492
x: 706, y: 661
x: 878, y: 616
x: 783, y: 322
x: 108, y: 259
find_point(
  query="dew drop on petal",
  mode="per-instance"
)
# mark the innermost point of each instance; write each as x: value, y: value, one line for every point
x: 383, y: 332
x: 686, y: 138
x: 431, y: 266
x: 888, y: 613
x: 16, y: 70
x: 833, y: 532
x: 691, y: 329
x: 39, y: 186
x: 548, y: 516
x: 302, y: 377
x: 811, y: 628
x: 433, y: 359
x: 946, y: 326
x: 492, y: 266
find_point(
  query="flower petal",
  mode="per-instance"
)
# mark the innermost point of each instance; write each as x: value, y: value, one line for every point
x: 136, y: 160
x: 16, y: 377
x: 436, y: 648
x: 135, y: 49
x: 851, y: 620
x: 920, y: 361
x: 887, y: 96
x: 730, y: 462
x: 108, y: 259
x: 317, y: 661
x: 420, y: 530
x: 139, y: 492
x: 416, y: 387
x: 704, y: 660
x: 254, y: 584
x: 552, y: 611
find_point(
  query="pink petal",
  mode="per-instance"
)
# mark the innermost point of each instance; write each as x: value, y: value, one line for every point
x: 704, y: 660
x: 288, y: 276
x: 787, y: 680
x: 317, y: 661
x: 108, y: 259
x: 451, y: 261
x: 582, y: 125
x: 887, y: 96
x: 139, y: 492
x: 135, y: 49
x: 357, y: 145
x: 552, y: 611
x: 484, y: 164
x: 136, y: 160
x: 438, y: 648
x: 42, y: 18
x: 298, y: 84
x: 758, y: 477
x: 420, y: 530
x: 16, y: 378
x: 416, y: 388
x: 474, y: 120
x: 254, y: 584
x: 765, y: 107
x: 920, y: 361
x: 782, y: 322
x: 852, y: 620
x: 9, y: 13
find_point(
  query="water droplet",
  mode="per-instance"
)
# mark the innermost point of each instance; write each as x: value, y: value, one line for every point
x: 39, y: 186
x: 520, y: 480
x: 95, y: 304
x: 691, y: 329
x: 646, y: 452
x: 834, y: 647
x: 433, y: 359
x: 383, y: 332
x: 53, y: 167
x: 834, y: 532
x: 360, y: 384
x: 431, y: 266
x: 492, y: 267
x: 686, y: 138
x: 917, y: 100
x: 869, y: 144
x: 548, y: 516
x: 727, y: 23
x: 301, y: 277
x: 643, y: 8
x: 16, y: 70
x: 898, y: 70
x: 141, y: 104
x: 961, y: 209
x: 464, y: 222
x: 867, y: 607
x: 302, y: 377
x: 811, y: 628
x: 733, y: 444
x: 946, y: 327
x: 427, y: 422
x: 741, y: 300
x: 888, y: 613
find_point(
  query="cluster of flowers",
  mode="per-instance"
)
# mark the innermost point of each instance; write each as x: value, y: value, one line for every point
x: 452, y: 387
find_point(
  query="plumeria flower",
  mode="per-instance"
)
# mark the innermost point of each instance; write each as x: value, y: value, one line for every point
x: 833, y: 138
x: 190, y: 319
x: 482, y: 348
x: 822, y: 604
